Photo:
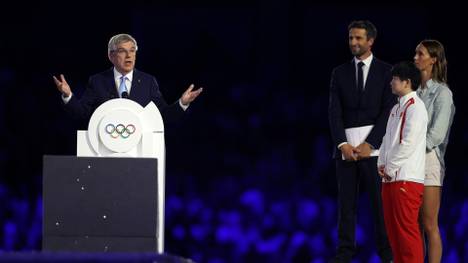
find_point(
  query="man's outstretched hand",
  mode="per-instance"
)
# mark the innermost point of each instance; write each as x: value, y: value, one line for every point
x: 62, y: 86
x: 190, y: 95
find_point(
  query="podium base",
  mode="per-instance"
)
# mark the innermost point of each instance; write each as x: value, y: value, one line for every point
x: 100, y: 204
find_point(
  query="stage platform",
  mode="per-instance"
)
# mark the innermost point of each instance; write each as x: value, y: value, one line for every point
x: 78, y: 257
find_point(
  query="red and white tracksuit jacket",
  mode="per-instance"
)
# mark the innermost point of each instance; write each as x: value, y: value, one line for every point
x: 403, y: 149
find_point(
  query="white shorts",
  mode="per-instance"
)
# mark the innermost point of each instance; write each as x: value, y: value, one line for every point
x: 435, y: 173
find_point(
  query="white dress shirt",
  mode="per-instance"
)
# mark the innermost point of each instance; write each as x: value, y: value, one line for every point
x: 128, y: 80
x: 365, y: 69
x: 403, y: 149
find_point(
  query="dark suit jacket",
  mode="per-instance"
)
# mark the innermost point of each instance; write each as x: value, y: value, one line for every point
x: 349, y: 107
x: 101, y: 88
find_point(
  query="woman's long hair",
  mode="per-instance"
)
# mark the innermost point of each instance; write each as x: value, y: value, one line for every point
x: 436, y: 50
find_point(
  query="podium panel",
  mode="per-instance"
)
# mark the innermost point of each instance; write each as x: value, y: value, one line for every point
x: 94, y: 204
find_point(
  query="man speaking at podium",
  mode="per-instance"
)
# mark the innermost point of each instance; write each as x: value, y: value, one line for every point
x: 122, y: 81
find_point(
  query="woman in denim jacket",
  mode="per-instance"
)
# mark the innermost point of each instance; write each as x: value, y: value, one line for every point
x: 437, y: 97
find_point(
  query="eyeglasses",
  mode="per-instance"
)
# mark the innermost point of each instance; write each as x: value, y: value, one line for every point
x: 123, y: 51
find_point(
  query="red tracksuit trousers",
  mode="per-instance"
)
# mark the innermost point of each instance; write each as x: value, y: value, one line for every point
x: 401, y: 202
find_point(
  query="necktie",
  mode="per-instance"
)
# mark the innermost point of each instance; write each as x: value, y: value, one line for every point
x: 123, y: 92
x: 360, y: 77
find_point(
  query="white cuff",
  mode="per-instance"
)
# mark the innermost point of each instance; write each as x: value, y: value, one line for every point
x: 341, y: 144
x: 184, y: 107
x: 66, y: 99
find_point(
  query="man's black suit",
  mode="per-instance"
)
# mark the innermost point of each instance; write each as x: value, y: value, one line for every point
x: 101, y: 88
x: 350, y: 107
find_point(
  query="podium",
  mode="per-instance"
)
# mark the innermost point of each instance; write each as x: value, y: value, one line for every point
x: 110, y: 197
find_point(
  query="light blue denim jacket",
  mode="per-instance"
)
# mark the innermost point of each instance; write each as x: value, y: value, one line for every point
x: 440, y: 109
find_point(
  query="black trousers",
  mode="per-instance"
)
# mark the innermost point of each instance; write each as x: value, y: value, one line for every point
x: 348, y: 176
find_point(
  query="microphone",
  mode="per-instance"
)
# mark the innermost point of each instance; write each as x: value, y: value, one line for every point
x: 124, y: 95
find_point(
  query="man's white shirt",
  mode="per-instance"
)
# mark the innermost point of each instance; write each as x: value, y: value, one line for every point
x: 365, y: 69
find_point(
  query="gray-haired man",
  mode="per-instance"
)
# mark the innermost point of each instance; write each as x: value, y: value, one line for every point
x: 122, y: 80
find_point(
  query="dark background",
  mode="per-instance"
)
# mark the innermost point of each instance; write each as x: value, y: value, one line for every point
x: 249, y: 173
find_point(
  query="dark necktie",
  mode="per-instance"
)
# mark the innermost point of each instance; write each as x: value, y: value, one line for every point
x: 360, y: 77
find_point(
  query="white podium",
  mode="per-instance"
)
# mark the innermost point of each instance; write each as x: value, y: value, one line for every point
x: 123, y: 128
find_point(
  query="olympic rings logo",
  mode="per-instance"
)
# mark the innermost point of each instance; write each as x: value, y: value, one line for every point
x: 120, y: 130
